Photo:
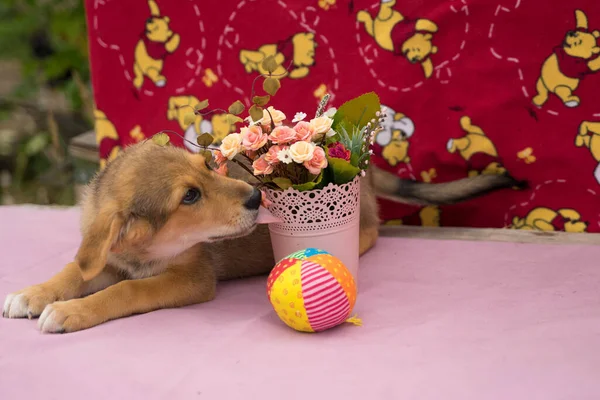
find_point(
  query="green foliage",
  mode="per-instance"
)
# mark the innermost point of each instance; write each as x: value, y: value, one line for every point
x: 341, y: 171
x: 356, y: 113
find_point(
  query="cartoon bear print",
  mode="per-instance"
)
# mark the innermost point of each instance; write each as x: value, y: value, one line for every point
x: 427, y: 216
x: 476, y: 149
x: 106, y: 137
x: 548, y: 220
x: 397, y: 128
x: 218, y: 125
x: 405, y: 37
x: 589, y: 137
x: 298, y: 49
x: 157, y: 41
x: 576, y: 57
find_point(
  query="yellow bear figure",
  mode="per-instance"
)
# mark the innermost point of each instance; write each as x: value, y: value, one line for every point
x: 569, y: 63
x: 548, y: 220
x: 408, y: 38
x: 589, y: 136
x: 298, y: 49
x: 393, y: 138
x: 157, y: 41
x: 107, y: 138
x: 427, y: 216
x: 476, y: 149
x: 218, y: 126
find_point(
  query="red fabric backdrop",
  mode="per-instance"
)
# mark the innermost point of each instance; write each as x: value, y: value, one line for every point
x: 480, y: 92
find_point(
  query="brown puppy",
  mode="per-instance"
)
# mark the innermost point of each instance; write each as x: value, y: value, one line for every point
x: 160, y: 229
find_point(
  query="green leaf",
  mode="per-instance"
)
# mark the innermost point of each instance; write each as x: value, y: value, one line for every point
x: 309, y: 185
x: 356, y: 112
x: 256, y: 112
x: 207, y: 154
x: 236, y: 108
x: 205, y: 140
x: 202, y: 105
x: 232, y: 119
x: 271, y: 86
x: 283, y: 183
x: 261, y: 101
x: 161, y: 139
x: 342, y: 170
x: 269, y: 64
x: 189, y: 119
x: 36, y: 144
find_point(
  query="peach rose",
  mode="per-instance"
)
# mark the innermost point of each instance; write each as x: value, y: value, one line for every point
x: 265, y: 202
x: 271, y: 155
x: 302, y: 151
x: 219, y: 157
x: 304, y: 131
x: 278, y: 117
x: 231, y: 145
x: 321, y: 124
x: 253, y: 137
x: 261, y: 166
x: 317, y: 162
x: 282, y: 135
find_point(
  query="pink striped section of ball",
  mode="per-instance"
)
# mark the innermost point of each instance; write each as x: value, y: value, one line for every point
x: 311, y: 291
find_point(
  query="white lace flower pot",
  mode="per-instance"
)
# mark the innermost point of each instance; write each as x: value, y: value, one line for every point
x: 326, y: 219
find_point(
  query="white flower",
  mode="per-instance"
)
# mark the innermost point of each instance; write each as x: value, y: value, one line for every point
x: 299, y: 117
x: 321, y: 124
x: 231, y: 145
x: 330, y: 112
x: 284, y: 156
x: 331, y: 133
x: 302, y: 151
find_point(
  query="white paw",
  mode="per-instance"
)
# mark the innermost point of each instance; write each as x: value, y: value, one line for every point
x: 51, y: 321
x: 161, y: 83
x: 15, y: 306
x: 572, y: 103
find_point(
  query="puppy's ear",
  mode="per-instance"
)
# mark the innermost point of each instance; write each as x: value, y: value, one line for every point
x: 100, y: 237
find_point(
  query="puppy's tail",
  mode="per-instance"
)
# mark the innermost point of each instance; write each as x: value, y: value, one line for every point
x: 390, y: 187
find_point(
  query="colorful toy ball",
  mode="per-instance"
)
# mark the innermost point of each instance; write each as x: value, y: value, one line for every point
x: 312, y: 291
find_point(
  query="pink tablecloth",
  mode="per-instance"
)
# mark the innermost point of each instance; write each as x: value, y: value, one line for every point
x: 442, y: 320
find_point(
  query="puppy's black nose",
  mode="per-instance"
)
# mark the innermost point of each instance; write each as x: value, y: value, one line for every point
x: 254, y: 201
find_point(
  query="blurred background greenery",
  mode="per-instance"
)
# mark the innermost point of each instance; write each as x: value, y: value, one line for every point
x: 45, y: 98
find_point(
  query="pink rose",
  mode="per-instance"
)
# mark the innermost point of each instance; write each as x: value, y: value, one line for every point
x: 317, y: 162
x: 261, y: 166
x: 282, y: 135
x: 253, y: 137
x: 271, y: 155
x: 219, y: 157
x: 222, y: 170
x: 304, y: 131
x: 337, y: 150
x: 265, y: 202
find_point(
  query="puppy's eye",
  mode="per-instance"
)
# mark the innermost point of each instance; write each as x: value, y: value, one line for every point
x: 191, y: 196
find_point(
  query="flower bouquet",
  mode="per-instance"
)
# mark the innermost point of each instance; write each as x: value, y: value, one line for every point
x: 308, y: 168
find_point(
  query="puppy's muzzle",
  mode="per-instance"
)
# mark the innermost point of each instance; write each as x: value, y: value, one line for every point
x: 254, y: 201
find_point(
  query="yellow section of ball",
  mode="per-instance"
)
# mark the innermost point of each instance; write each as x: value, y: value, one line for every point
x: 286, y: 298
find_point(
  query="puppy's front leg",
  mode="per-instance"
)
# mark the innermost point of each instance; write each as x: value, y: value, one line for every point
x: 175, y: 287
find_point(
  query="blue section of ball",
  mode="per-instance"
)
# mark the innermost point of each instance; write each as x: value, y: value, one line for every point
x: 304, y: 254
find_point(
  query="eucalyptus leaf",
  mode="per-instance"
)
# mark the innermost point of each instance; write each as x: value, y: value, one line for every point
x: 233, y: 119
x: 161, y: 139
x: 236, y: 108
x: 189, y: 119
x: 261, y: 101
x: 269, y: 64
x: 207, y: 154
x: 283, y: 183
x: 271, y: 86
x: 205, y: 140
x: 256, y: 112
x: 202, y: 105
